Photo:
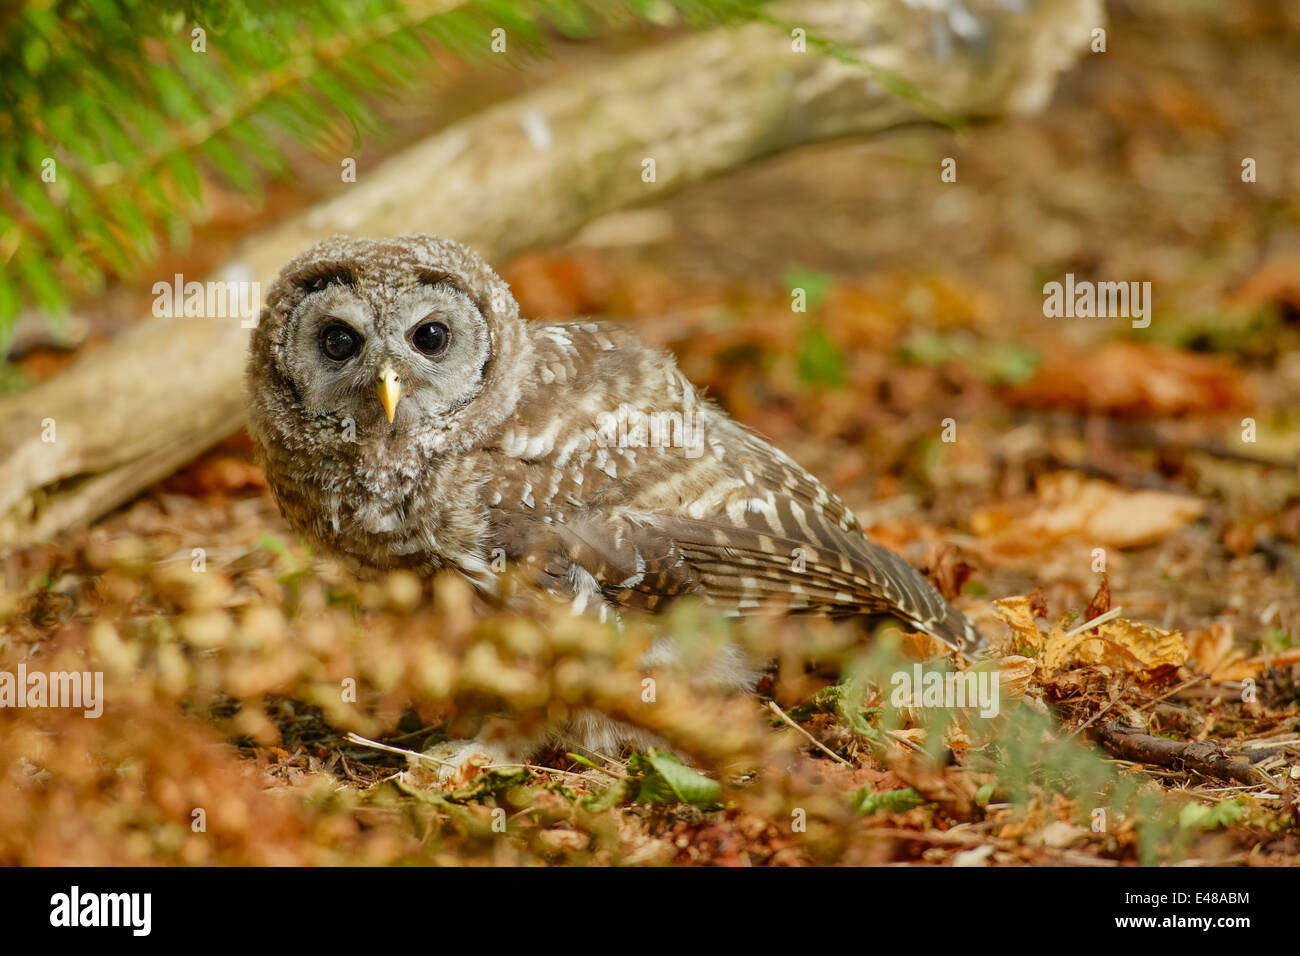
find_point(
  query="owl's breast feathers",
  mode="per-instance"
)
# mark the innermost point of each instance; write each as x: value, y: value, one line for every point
x: 614, y: 475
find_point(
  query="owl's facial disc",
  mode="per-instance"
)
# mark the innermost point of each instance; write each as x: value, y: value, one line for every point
x: 401, y: 362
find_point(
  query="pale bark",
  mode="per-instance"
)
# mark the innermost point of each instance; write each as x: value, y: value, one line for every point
x: 130, y: 413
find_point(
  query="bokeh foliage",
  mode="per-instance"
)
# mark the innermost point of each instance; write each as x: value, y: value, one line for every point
x: 128, y: 108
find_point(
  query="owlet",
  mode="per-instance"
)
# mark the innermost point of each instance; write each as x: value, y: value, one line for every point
x: 408, y: 418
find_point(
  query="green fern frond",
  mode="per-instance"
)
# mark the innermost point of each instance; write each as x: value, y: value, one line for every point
x: 115, y: 112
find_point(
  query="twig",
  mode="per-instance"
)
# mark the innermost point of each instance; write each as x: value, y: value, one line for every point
x: 376, y: 745
x: 1095, y: 717
x: 901, y: 740
x: 816, y: 743
x: 1204, y: 756
x: 1181, y: 687
x: 588, y: 753
x: 595, y: 766
x: 1088, y: 625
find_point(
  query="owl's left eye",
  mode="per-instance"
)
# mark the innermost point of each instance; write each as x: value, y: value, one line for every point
x: 431, y: 338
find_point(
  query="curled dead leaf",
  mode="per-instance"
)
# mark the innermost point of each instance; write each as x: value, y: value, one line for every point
x: 1214, y: 651
x: 1123, y: 645
x: 1234, y: 669
x: 1014, y: 673
x: 1018, y: 612
x: 1100, y: 602
x: 1211, y: 650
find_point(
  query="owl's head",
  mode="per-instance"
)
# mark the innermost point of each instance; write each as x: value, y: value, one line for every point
x: 381, y: 341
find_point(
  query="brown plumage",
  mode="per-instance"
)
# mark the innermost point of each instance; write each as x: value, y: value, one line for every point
x: 570, y: 448
x: 408, y: 418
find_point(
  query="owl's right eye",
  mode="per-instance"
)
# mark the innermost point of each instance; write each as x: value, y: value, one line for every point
x: 339, y: 342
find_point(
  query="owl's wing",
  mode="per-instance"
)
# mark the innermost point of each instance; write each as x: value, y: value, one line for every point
x: 746, y: 529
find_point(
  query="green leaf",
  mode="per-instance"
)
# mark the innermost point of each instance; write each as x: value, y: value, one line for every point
x: 615, y: 795
x: 269, y: 542
x: 176, y: 99
x: 579, y: 758
x: 1006, y: 363
x: 820, y: 361
x: 231, y: 164
x: 998, y: 363
x: 816, y: 285
x: 10, y: 301
x: 186, y: 175
x: 33, y: 193
x: 844, y: 702
x: 35, y: 53
x: 866, y: 801
x: 1200, y: 817
x: 344, y: 100
x: 665, y: 779
x: 923, y: 347
x: 42, y: 282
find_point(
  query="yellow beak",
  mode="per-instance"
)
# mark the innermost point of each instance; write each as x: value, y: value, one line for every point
x: 389, y: 390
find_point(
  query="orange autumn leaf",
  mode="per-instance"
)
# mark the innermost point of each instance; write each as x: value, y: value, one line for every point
x: 1123, y: 645
x: 1213, y: 650
x: 1068, y: 505
x: 1018, y: 613
x: 1134, y: 379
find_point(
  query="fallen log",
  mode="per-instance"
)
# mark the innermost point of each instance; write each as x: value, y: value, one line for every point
x: 525, y: 173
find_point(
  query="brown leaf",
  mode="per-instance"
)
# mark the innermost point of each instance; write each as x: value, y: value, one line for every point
x: 1068, y: 505
x: 1100, y: 602
x: 946, y: 571
x: 1134, y: 378
x: 1124, y: 646
x: 1018, y: 612
x: 1212, y: 649
x: 1233, y: 669
x: 1014, y: 673
x: 1276, y: 282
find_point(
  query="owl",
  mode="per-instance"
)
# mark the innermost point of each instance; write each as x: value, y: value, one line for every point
x: 407, y: 417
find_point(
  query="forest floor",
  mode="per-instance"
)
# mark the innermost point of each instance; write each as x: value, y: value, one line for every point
x: 1043, y: 471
